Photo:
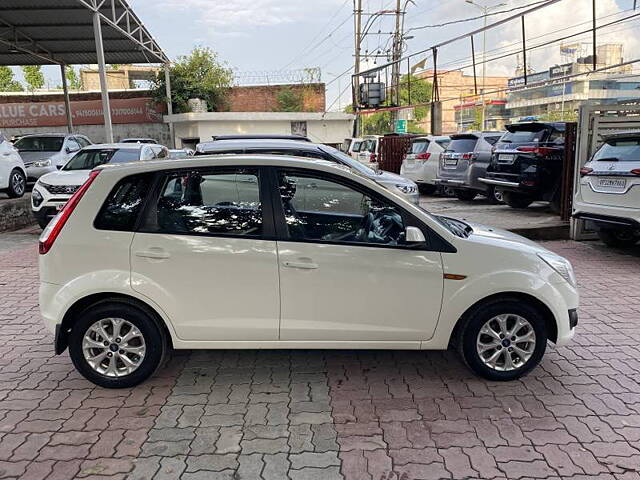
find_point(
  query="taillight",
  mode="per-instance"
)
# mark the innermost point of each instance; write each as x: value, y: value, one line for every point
x: 585, y: 171
x: 469, y: 156
x: 537, y: 150
x: 55, y: 226
x: 635, y: 171
x: 373, y: 158
x: 423, y: 156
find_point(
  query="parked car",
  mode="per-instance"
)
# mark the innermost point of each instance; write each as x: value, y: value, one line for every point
x: 608, y: 193
x: 392, y: 181
x: 527, y: 163
x: 353, y: 150
x: 53, y: 190
x: 369, y: 152
x: 421, y: 163
x: 180, y: 153
x: 161, y: 254
x: 465, y: 161
x: 13, y: 176
x: 46, y: 152
x: 140, y: 140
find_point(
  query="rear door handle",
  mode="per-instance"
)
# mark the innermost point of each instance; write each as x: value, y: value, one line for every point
x: 156, y: 253
x: 301, y: 265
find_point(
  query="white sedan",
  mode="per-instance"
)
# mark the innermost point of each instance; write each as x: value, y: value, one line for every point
x: 277, y: 252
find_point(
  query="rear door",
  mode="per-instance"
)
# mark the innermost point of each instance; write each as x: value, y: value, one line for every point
x: 456, y: 158
x: 206, y: 254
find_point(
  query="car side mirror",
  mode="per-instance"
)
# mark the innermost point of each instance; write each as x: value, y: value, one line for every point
x: 71, y: 149
x: 413, y: 236
x: 59, y: 167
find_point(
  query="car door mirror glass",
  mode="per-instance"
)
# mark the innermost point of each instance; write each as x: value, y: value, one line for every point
x: 413, y: 235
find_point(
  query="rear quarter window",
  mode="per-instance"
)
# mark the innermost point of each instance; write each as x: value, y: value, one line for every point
x: 123, y: 205
x: 420, y: 146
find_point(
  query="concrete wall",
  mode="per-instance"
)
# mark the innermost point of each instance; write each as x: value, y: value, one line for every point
x: 15, y: 213
x: 96, y: 133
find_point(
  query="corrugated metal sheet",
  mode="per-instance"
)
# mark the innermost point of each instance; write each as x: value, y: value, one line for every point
x: 63, y: 30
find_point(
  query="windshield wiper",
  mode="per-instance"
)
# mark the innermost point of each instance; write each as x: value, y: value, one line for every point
x: 609, y: 159
x: 505, y: 141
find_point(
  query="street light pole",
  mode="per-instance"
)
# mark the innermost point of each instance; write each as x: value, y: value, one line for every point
x: 485, y: 12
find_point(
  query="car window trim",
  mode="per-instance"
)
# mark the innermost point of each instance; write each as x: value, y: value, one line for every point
x: 266, y: 199
x: 434, y: 242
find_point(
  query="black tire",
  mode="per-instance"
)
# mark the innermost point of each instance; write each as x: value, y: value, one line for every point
x: 517, y: 200
x: 494, y: 196
x: 42, y: 219
x: 476, y: 319
x: 154, y: 339
x: 619, y: 238
x: 17, y: 184
x: 426, y: 189
x: 465, y: 195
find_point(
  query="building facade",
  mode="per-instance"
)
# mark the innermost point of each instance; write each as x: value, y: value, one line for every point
x: 469, y: 115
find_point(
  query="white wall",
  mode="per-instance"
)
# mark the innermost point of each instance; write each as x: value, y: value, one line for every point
x: 96, y: 133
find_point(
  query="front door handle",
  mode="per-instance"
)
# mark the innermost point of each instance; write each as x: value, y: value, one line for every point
x: 155, y: 253
x: 301, y: 265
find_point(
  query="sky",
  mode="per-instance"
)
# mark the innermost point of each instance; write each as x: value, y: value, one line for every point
x: 275, y: 35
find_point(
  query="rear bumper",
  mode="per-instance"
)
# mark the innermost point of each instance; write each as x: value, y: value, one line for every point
x: 608, y: 221
x: 499, y: 183
x: 607, y: 216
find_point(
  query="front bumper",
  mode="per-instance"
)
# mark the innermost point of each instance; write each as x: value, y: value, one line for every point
x: 34, y: 173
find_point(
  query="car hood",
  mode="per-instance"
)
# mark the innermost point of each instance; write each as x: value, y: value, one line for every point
x: 62, y: 177
x: 391, y: 178
x: 503, y: 238
x: 30, y: 157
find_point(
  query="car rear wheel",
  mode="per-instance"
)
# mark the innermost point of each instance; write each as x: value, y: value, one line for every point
x: 503, y: 340
x: 465, y: 195
x: 619, y: 238
x: 17, y: 184
x: 116, y: 345
x: 517, y: 200
x: 426, y: 189
x: 494, y: 195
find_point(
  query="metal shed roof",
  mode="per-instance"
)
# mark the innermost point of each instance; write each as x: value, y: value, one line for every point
x: 61, y: 32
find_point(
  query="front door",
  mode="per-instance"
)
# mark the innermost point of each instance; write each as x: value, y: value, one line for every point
x: 345, y: 272
x: 203, y: 256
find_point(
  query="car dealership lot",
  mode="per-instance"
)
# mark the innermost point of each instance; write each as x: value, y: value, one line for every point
x: 328, y: 414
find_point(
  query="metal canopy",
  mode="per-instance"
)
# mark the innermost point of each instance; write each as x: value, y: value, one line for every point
x: 40, y: 32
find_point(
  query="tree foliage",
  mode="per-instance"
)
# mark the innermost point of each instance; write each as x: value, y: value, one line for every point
x: 290, y: 100
x: 33, y: 76
x: 413, y: 90
x: 7, y: 82
x: 74, y: 81
x: 197, y: 75
x: 558, y: 116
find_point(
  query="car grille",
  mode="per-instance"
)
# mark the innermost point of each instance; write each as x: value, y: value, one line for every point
x: 60, y: 189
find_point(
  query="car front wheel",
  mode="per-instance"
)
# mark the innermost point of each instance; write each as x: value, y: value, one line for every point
x: 17, y: 184
x: 116, y: 345
x: 503, y: 340
x: 619, y: 238
x: 465, y: 195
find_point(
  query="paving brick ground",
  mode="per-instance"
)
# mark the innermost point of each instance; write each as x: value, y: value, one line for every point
x: 330, y: 414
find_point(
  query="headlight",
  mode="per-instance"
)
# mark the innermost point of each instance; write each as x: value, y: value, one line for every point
x: 406, y: 188
x: 36, y: 198
x: 561, y: 265
x: 42, y: 163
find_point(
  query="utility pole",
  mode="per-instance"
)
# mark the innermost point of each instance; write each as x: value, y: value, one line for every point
x: 357, y: 19
x: 395, y: 68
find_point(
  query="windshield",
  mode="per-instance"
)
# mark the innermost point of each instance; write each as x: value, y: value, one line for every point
x: 619, y: 149
x: 419, y: 146
x: 523, y: 136
x: 89, y: 159
x: 39, y: 144
x: 462, y: 145
x: 348, y: 161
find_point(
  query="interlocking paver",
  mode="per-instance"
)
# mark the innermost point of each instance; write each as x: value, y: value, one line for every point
x: 320, y: 414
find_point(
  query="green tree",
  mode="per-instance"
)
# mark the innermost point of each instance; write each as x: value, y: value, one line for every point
x: 197, y: 75
x: 74, y: 82
x: 33, y: 76
x: 290, y: 100
x: 413, y: 90
x: 7, y: 82
x: 557, y: 116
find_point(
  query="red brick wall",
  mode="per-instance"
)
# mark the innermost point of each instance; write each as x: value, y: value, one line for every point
x: 265, y: 98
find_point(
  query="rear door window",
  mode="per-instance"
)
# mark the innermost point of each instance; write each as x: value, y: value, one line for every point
x: 420, y: 146
x: 123, y: 205
x: 524, y: 136
x: 462, y: 145
x: 621, y: 150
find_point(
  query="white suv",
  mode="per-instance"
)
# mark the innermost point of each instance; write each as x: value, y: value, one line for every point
x: 421, y: 163
x: 13, y: 176
x: 52, y: 190
x: 243, y: 251
x: 609, y: 190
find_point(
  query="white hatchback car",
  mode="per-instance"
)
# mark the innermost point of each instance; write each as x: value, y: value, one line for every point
x: 52, y: 190
x: 421, y: 163
x: 243, y: 251
x: 609, y: 190
x: 13, y: 175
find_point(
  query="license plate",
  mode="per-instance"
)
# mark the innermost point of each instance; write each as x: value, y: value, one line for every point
x: 612, y: 182
x: 506, y: 157
x: 451, y: 162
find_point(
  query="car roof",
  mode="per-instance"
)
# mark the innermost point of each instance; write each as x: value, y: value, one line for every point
x: 125, y: 146
x: 217, y: 146
x: 260, y: 136
x: 630, y: 134
x: 48, y: 135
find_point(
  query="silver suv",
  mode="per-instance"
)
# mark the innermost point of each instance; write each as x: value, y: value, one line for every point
x: 465, y: 161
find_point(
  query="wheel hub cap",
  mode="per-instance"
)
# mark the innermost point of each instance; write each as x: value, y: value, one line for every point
x: 113, y: 347
x: 506, y: 342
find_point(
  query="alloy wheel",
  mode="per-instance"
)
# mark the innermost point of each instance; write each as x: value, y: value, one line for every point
x: 506, y: 342
x: 18, y: 183
x: 113, y: 347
